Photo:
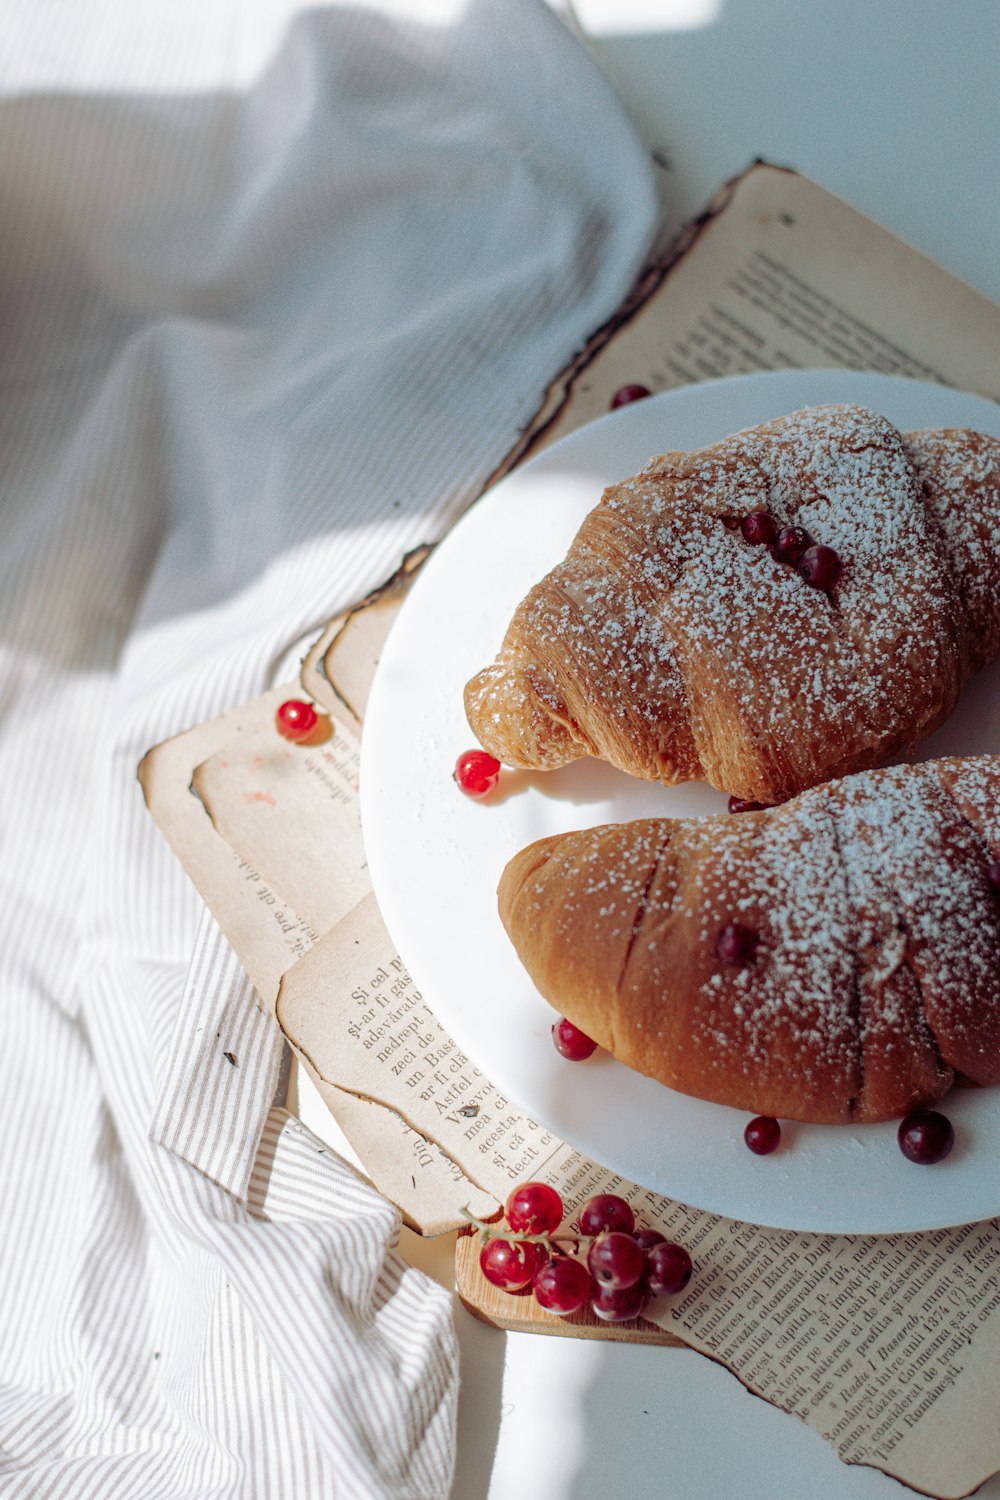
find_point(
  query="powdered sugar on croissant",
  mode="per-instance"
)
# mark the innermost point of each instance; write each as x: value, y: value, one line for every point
x: 668, y: 645
x: 868, y: 973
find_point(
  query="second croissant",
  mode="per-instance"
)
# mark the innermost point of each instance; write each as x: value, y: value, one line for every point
x: 696, y: 950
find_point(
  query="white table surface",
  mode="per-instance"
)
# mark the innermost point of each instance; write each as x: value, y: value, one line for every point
x: 892, y: 105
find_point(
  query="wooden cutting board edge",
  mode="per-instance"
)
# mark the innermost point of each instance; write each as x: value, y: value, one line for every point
x: 518, y: 1312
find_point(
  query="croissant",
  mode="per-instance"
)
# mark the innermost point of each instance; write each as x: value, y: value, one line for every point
x: 834, y: 959
x: 673, y: 647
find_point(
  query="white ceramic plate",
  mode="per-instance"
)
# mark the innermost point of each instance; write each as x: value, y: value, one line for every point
x: 436, y: 856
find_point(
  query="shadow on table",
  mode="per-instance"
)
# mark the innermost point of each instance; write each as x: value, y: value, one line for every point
x: 586, y: 1420
x: 482, y: 1349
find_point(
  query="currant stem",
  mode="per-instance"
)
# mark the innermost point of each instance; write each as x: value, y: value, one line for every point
x: 550, y: 1241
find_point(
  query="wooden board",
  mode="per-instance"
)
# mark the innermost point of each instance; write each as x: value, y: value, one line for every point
x: 520, y: 1313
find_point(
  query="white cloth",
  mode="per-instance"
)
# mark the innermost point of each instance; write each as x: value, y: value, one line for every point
x: 277, y: 291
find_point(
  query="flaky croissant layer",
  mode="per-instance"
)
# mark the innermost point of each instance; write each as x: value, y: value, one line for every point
x: 670, y: 646
x: 833, y: 959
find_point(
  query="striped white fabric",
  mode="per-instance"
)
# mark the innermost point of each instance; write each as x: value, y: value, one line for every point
x: 277, y: 290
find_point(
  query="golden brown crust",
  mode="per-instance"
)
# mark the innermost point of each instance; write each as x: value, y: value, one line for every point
x: 667, y: 645
x: 875, y: 971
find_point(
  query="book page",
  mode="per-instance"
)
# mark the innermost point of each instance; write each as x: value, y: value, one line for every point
x: 259, y: 921
x: 377, y: 1035
x: 778, y: 274
x: 254, y: 789
x: 291, y: 811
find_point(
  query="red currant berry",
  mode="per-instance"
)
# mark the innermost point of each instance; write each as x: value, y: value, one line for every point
x: 296, y: 719
x: 510, y: 1265
x: 993, y: 875
x: 477, y: 773
x: 618, y: 1306
x: 925, y: 1136
x: 606, y: 1212
x: 736, y: 943
x: 628, y: 394
x: 571, y: 1042
x: 762, y: 1135
x: 534, y: 1208
x: 647, y: 1238
x: 616, y: 1261
x: 820, y: 566
x: 790, y: 544
x: 758, y: 527
x: 563, y: 1286
x: 668, y: 1269
x: 741, y: 804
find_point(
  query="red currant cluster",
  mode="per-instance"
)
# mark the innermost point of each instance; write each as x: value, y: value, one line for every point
x: 603, y: 1260
x: 819, y: 566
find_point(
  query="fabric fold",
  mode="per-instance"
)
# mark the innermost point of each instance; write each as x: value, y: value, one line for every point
x: 279, y: 293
